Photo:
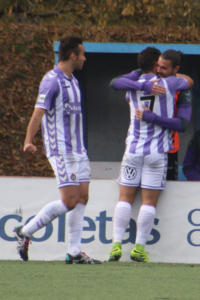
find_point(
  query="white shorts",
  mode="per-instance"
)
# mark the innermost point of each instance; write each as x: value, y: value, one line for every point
x: 70, y: 169
x: 147, y: 171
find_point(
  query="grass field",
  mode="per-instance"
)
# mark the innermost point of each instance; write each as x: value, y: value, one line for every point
x: 40, y: 280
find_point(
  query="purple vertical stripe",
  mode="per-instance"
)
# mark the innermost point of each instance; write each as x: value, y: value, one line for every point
x: 160, y: 144
x: 147, y: 144
x: 163, y: 105
x: 136, y: 126
x: 163, y: 111
x: 136, y: 134
x: 77, y: 122
x: 66, y: 118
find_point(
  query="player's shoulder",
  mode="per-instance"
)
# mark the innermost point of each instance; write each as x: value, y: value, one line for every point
x: 50, y: 80
x: 50, y: 76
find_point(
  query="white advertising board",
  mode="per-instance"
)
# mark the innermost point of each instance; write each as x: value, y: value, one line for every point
x: 175, y: 236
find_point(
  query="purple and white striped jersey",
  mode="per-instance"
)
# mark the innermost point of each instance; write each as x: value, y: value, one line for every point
x: 62, y: 122
x: 147, y: 138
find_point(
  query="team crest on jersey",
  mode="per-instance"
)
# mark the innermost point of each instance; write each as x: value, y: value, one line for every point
x: 129, y: 173
x: 73, y: 176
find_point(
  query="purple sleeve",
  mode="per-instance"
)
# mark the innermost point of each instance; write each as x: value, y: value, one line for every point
x: 176, y: 84
x: 125, y: 84
x: 169, y: 123
x: 189, y: 165
x: 48, y: 91
x: 184, y: 111
x: 135, y: 75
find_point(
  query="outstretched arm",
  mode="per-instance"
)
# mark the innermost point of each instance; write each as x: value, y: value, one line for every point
x: 32, y: 129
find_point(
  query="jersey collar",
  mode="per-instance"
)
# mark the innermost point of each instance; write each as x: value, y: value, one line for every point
x: 61, y: 74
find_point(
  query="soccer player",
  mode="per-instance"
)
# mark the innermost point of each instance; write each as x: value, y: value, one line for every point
x: 191, y: 163
x: 58, y: 108
x: 169, y: 66
x: 182, y: 111
x: 145, y: 159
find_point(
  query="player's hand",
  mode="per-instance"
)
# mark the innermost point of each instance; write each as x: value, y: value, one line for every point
x: 30, y: 148
x: 158, y: 89
x: 139, y: 112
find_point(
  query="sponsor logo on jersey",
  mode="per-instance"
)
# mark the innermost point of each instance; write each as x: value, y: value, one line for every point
x: 73, y: 176
x: 72, y: 109
x: 130, y: 173
x: 41, y: 98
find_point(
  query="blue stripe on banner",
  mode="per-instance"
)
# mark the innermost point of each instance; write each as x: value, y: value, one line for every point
x: 131, y: 48
x: 134, y: 48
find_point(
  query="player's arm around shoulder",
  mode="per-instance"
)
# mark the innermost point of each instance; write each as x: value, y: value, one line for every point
x: 124, y: 82
x: 189, y: 80
x: 177, y: 84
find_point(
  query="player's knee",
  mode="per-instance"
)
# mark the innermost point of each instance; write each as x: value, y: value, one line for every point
x: 71, y: 202
x: 84, y: 199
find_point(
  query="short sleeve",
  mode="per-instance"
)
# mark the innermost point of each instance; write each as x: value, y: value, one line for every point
x: 48, y: 91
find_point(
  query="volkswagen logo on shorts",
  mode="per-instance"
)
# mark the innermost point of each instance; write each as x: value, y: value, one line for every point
x: 130, y: 173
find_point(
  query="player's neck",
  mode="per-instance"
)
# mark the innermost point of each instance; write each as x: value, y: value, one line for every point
x: 150, y: 72
x: 66, y: 68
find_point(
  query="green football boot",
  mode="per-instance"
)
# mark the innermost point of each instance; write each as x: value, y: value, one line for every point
x: 116, y: 252
x: 138, y: 254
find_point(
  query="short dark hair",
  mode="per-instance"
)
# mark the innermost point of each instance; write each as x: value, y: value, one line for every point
x: 147, y: 59
x: 69, y: 45
x: 177, y: 57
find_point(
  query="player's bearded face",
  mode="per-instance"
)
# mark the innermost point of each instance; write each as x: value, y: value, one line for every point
x: 164, y: 68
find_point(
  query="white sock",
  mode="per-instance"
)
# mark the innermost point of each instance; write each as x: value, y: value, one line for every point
x: 145, y: 223
x: 122, y: 217
x: 75, y: 227
x: 44, y: 217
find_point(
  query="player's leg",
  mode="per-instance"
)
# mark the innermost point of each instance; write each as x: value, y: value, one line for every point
x: 153, y: 182
x: 75, y: 227
x: 69, y: 196
x: 129, y: 180
x: 121, y: 219
x: 145, y: 222
x: 69, y: 191
x: 75, y: 217
x: 75, y: 221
